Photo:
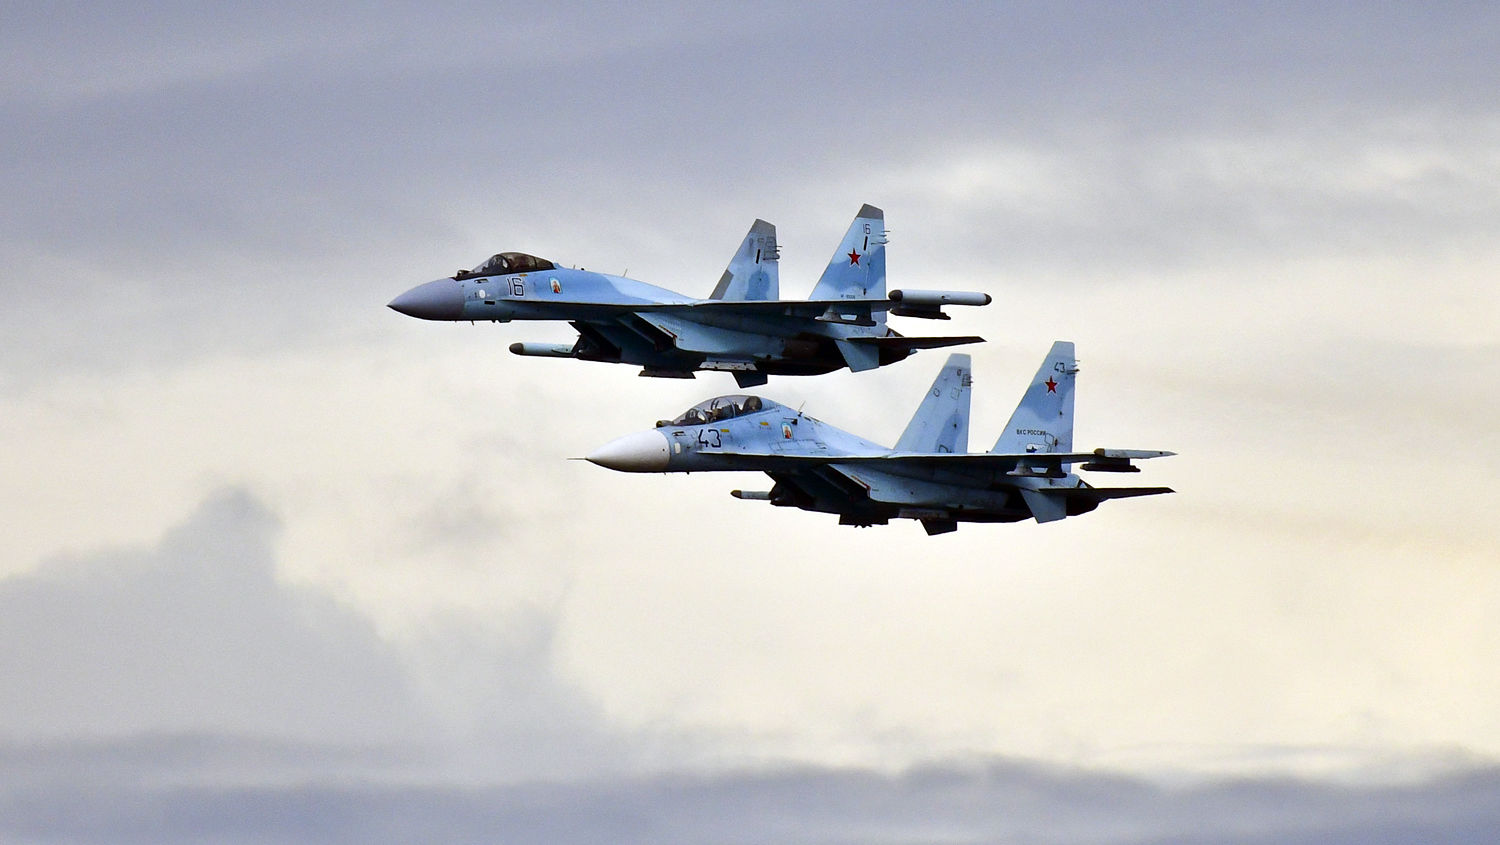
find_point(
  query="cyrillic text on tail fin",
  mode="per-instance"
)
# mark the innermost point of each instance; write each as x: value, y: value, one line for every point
x: 941, y: 423
x: 1043, y: 422
x: 857, y: 269
x: 752, y: 272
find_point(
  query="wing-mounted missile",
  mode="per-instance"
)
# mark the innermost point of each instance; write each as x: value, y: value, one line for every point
x: 542, y: 350
x: 1119, y: 460
x: 928, y: 304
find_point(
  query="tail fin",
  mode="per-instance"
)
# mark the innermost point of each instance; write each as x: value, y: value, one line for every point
x: 941, y: 423
x: 753, y: 271
x: 857, y: 269
x: 1043, y: 422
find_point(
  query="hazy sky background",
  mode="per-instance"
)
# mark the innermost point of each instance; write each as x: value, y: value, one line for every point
x: 283, y: 564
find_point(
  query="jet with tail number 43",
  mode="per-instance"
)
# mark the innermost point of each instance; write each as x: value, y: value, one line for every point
x: 929, y: 476
x: 743, y: 327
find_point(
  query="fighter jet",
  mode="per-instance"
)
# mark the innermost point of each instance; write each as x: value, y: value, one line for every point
x: 930, y: 476
x: 743, y: 327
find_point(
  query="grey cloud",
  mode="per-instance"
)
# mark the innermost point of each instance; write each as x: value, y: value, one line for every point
x: 1001, y: 801
x: 504, y: 711
x: 191, y: 652
x: 382, y: 122
x: 169, y: 761
x: 197, y: 634
x: 259, y: 201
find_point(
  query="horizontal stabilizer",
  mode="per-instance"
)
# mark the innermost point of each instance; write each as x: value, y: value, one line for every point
x: 910, y: 343
x: 1051, y: 503
x: 1102, y: 493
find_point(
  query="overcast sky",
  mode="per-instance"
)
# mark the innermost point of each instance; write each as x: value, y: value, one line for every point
x: 282, y: 564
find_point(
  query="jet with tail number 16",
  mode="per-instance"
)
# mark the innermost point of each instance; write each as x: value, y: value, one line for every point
x: 743, y: 327
x: 930, y: 476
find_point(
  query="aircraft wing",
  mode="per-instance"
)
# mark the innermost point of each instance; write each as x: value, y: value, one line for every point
x: 1106, y: 460
x: 834, y: 310
x: 1102, y: 493
x: 797, y: 307
x: 927, y: 304
x: 915, y: 342
x: 841, y: 484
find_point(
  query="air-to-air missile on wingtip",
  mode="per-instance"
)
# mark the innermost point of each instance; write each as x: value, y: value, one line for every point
x: 929, y: 476
x: 743, y: 328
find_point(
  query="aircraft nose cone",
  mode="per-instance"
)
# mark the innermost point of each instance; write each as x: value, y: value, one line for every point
x: 644, y: 451
x: 439, y: 300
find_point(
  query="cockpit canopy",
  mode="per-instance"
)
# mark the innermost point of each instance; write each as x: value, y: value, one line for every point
x: 507, y: 262
x: 718, y: 408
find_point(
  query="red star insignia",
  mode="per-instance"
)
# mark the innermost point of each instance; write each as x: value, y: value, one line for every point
x: 1051, y: 385
x: 853, y: 257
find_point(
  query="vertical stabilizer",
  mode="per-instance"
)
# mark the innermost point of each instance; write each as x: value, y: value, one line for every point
x: 1043, y: 422
x: 753, y: 271
x: 857, y: 269
x: 941, y: 423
